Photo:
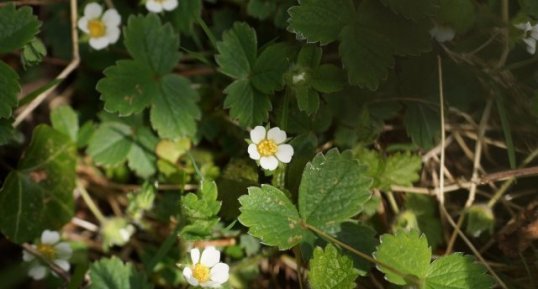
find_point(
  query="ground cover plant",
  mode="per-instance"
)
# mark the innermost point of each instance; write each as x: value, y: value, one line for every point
x: 323, y: 144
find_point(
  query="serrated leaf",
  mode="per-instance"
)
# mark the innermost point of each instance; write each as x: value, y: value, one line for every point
x: 175, y: 112
x: 237, y: 51
x: 110, y: 144
x: 201, y: 211
x: 333, y: 188
x: 112, y: 273
x: 457, y: 271
x: 151, y: 43
x: 247, y: 104
x: 38, y: 195
x: 141, y: 158
x: 406, y: 252
x: 412, y: 9
x: 331, y: 270
x: 422, y: 124
x: 400, y: 169
x: 64, y: 119
x: 320, y: 20
x: 363, y: 239
x: 269, y: 68
x: 128, y: 87
x: 9, y: 82
x: 17, y: 27
x: 6, y: 131
x: 271, y: 216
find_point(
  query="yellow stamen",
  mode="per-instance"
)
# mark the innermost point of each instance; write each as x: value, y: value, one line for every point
x: 267, y: 148
x: 200, y: 273
x: 97, y: 28
x: 46, y: 250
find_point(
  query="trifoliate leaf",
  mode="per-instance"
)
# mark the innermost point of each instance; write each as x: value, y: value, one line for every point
x: 460, y: 14
x: 334, y: 187
x: 422, y: 124
x: 64, y: 119
x: 406, y: 252
x: 320, y: 20
x: 17, y: 27
x: 175, y: 112
x: 33, y: 53
x: 363, y: 239
x: 400, y: 169
x: 141, y: 158
x: 9, y: 82
x: 110, y: 144
x: 269, y: 68
x: 151, y: 43
x: 413, y: 9
x: 6, y: 131
x: 201, y: 211
x: 331, y: 270
x: 271, y: 216
x: 128, y: 87
x: 38, y: 195
x: 261, y: 9
x: 246, y: 103
x: 457, y: 271
x: 480, y: 219
x: 112, y: 273
x: 237, y: 51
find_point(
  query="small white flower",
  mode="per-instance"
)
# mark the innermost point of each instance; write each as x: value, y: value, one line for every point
x: 158, y: 6
x: 269, y: 147
x: 206, y: 271
x: 530, y: 35
x: 103, y: 28
x: 299, y: 77
x: 442, y: 33
x: 52, y: 250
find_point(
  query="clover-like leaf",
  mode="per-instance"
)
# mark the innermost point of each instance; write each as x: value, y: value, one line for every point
x: 269, y: 68
x: 457, y: 271
x: 334, y: 187
x: 271, y: 216
x: 331, y: 270
x: 38, y: 195
x: 9, y: 82
x: 237, y: 51
x: 17, y: 27
x: 112, y: 273
x: 110, y: 144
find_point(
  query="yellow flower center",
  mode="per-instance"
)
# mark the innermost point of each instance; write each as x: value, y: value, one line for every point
x: 97, y: 28
x: 267, y: 148
x: 200, y: 273
x: 47, y: 251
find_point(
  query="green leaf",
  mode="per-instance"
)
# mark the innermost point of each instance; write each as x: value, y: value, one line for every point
x: 112, y: 273
x: 110, y: 144
x: 175, y: 112
x: 406, y: 252
x: 247, y: 104
x: 363, y: 239
x: 261, y: 9
x: 33, y: 52
x: 39, y: 194
x: 64, y: 119
x: 460, y: 14
x: 424, y: 209
x: 201, y: 211
x: 334, y: 187
x: 17, y: 27
x: 269, y: 68
x: 9, y: 82
x: 186, y: 14
x: 6, y: 131
x: 307, y: 99
x: 142, y: 158
x: 400, y: 169
x: 413, y: 9
x: 480, y: 219
x: 328, y: 78
x: 128, y: 87
x: 151, y: 43
x: 309, y: 56
x: 237, y: 51
x: 422, y: 124
x: 320, y: 20
x: 457, y: 272
x: 331, y: 270
x: 271, y: 216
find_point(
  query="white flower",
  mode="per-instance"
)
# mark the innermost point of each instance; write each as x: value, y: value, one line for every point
x: 530, y: 35
x: 52, y: 250
x: 442, y: 33
x: 269, y: 147
x: 103, y: 28
x: 206, y: 271
x: 160, y: 5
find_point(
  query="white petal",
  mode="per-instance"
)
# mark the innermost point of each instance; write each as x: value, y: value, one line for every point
x: 83, y: 24
x: 64, y: 251
x: 210, y: 284
x: 27, y: 257
x: 50, y: 237
x: 220, y: 273
x: 93, y: 10
x: 531, y: 45
x: 62, y: 264
x: 112, y: 34
x: 284, y: 153
x: 257, y: 134
x: 442, y: 34
x: 99, y: 43
x: 169, y: 5
x: 195, y: 256
x: 210, y: 257
x: 523, y: 26
x: 38, y: 272
x: 534, y: 32
x: 253, y: 152
x: 187, y: 273
x: 277, y: 135
x: 269, y: 163
x: 111, y: 18
x: 154, y: 6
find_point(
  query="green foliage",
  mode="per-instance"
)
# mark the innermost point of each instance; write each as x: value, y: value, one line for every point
x: 261, y: 9
x: 422, y: 124
x: 201, y: 211
x: 112, y: 273
x: 458, y: 272
x: 361, y: 238
x: 64, y: 119
x: 480, y: 219
x: 331, y: 270
x: 422, y: 209
x: 186, y: 14
x: 6, y: 131
x: 412, y: 10
x: 458, y: 14
x: 17, y: 27
x: 33, y: 53
x: 9, y: 81
x: 38, y: 195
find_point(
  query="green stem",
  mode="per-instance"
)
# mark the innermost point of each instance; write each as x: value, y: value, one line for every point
x: 91, y: 204
x: 208, y: 32
x: 392, y: 202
